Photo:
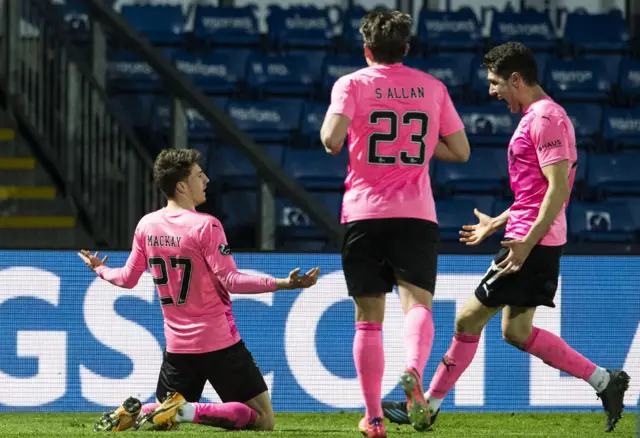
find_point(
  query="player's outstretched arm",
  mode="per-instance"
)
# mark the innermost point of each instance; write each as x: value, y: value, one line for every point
x: 296, y: 281
x: 127, y: 276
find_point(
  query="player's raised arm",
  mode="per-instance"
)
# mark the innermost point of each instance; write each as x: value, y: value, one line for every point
x: 339, y: 116
x: 127, y: 276
x: 454, y: 146
x: 219, y: 259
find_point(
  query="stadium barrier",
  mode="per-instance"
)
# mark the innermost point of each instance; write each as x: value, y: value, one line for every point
x: 70, y: 341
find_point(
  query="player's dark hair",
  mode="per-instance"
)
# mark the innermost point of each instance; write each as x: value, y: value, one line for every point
x: 172, y: 166
x: 386, y: 34
x: 508, y: 58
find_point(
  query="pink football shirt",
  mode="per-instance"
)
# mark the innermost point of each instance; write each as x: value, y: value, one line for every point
x: 397, y: 115
x: 544, y: 136
x: 193, y: 270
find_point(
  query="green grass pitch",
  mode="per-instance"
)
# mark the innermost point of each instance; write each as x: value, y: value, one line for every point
x: 457, y: 425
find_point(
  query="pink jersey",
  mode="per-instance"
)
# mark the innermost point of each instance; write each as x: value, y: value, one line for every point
x: 397, y: 115
x: 194, y: 272
x: 544, y: 136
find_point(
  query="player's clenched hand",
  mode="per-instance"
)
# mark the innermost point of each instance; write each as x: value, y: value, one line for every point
x: 92, y: 261
x: 474, y: 234
x: 519, y: 250
x: 296, y: 281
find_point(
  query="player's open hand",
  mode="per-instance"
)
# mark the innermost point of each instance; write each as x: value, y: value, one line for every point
x: 474, y: 234
x: 92, y: 261
x: 297, y: 281
x: 519, y: 250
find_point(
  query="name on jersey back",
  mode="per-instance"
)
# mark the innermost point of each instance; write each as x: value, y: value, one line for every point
x: 400, y: 93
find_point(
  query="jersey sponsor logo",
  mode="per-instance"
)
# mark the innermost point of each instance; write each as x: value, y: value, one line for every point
x: 224, y: 249
x: 550, y: 145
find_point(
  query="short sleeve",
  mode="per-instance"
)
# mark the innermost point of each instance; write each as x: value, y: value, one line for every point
x: 549, y: 137
x: 450, y: 121
x: 343, y: 98
x: 214, y: 246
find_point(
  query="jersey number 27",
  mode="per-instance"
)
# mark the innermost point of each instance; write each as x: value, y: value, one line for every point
x: 389, y: 137
x: 163, y: 279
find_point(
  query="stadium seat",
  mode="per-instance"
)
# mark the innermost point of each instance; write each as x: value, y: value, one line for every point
x: 299, y: 26
x: 580, y: 180
x: 315, y: 169
x: 233, y: 169
x: 134, y: 109
x: 446, y: 69
x: 310, y: 124
x: 216, y: 73
x: 622, y: 127
x: 336, y: 66
x: 239, y: 216
x: 587, y: 122
x: 76, y: 18
x: 531, y: 28
x: 224, y: 25
x: 314, y: 60
x: 268, y: 121
x: 629, y: 81
x: 603, y: 221
x: 486, y: 172
x: 596, y: 32
x: 161, y: 24
x: 452, y: 215
x: 488, y: 124
x: 287, y: 75
x: 614, y: 174
x: 351, y: 39
x: 126, y: 72
x: 577, y: 79
x: 611, y: 62
x: 294, y: 224
x: 457, y: 30
x: 484, y: 203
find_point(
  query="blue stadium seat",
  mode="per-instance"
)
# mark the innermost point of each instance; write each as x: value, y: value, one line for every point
x: 311, y: 122
x: 299, y: 26
x: 452, y: 215
x: 596, y: 32
x: 446, y: 69
x: 587, y: 121
x: 603, y: 221
x: 633, y: 204
x: 134, y: 109
x: 279, y: 75
x: 198, y: 129
x: 239, y: 217
x: 231, y: 167
x: 577, y: 79
x: 488, y: 124
x: 268, y: 121
x: 449, y: 30
x: 629, y: 80
x: 216, y: 73
x: 581, y: 171
x: 533, y: 29
x: 351, y: 37
x: 622, y: 127
x: 336, y: 66
x: 611, y: 62
x: 484, y: 203
x: 161, y: 24
x: 314, y: 60
x: 499, y: 207
x: 294, y: 224
x: 315, y: 169
x: 76, y: 18
x: 612, y: 174
x: 226, y: 25
x: 126, y: 72
x: 486, y: 172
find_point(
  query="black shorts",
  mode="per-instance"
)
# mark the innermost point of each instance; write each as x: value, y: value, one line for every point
x: 378, y: 252
x: 231, y: 371
x: 533, y: 285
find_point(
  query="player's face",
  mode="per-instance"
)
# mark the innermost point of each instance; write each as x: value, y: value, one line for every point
x: 503, y: 89
x: 197, y: 183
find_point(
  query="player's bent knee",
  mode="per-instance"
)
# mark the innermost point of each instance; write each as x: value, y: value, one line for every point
x: 468, y: 323
x: 265, y: 421
x: 516, y: 337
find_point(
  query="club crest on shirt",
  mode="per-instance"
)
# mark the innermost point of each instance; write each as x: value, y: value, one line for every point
x: 224, y: 249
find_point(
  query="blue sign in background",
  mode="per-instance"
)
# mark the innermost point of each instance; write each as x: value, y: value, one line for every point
x: 91, y: 336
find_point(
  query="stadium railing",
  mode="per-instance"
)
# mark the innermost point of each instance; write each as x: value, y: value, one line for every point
x: 185, y: 95
x: 62, y: 107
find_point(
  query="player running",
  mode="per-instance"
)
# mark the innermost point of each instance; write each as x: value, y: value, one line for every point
x: 394, y: 116
x: 194, y: 273
x: 524, y: 274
